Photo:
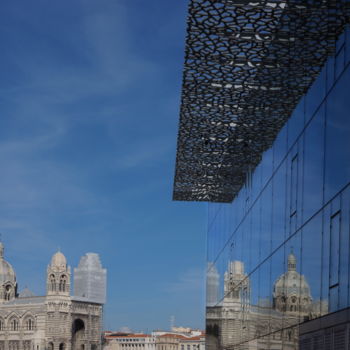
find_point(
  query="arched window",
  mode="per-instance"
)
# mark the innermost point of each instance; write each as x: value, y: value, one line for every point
x: 30, y: 324
x: 14, y: 324
x: 8, y: 292
x: 53, y: 283
x: 63, y: 282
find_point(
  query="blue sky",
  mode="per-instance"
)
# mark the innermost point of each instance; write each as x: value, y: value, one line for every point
x: 89, y: 103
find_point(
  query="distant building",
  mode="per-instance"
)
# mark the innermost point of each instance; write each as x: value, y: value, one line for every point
x: 175, y: 341
x: 129, y: 341
x: 158, y: 340
x: 90, y: 279
x: 55, y: 321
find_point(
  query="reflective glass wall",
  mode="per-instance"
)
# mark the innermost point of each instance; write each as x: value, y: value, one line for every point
x: 278, y: 255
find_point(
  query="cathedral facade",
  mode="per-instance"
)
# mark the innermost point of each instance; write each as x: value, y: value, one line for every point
x: 237, y: 323
x: 55, y: 321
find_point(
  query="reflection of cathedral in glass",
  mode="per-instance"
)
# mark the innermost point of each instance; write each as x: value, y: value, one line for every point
x: 239, y: 321
x: 291, y: 291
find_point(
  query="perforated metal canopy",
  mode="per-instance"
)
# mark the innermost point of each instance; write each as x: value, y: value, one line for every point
x: 247, y: 64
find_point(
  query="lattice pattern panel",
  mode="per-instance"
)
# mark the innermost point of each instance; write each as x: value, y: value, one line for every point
x: 247, y: 64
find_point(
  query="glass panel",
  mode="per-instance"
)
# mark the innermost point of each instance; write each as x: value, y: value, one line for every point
x: 296, y: 123
x: 339, y: 62
x: 340, y: 56
x: 313, y: 164
x: 266, y: 222
x: 315, y: 95
x: 333, y: 298
x: 330, y: 73
x: 264, y: 304
x: 277, y: 293
x: 255, y: 235
x: 266, y: 166
x: 337, y: 169
x: 213, y: 285
x: 256, y: 182
x: 293, y: 184
x: 344, y: 250
x: 325, y: 259
x: 293, y: 281
x: 291, y: 339
x: 334, y: 250
x: 279, y: 207
x: 347, y: 44
x: 311, y: 302
x: 280, y: 147
x: 246, y: 237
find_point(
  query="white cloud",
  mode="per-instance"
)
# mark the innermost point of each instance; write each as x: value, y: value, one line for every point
x: 191, y: 280
x: 125, y: 329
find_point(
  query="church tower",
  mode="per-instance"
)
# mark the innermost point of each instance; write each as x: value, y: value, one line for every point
x: 58, y: 276
x: 8, y: 283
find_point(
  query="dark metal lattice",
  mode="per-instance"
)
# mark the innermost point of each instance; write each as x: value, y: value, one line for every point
x: 247, y: 65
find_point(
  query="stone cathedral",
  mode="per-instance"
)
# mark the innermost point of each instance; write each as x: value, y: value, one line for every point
x: 56, y: 321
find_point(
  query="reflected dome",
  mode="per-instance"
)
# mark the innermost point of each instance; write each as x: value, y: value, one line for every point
x: 291, y: 291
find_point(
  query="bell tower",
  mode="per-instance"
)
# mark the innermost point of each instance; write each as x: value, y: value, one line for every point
x: 58, y: 276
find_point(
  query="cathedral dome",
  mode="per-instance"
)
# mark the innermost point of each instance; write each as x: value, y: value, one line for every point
x: 58, y: 260
x: 291, y: 282
x: 7, y: 273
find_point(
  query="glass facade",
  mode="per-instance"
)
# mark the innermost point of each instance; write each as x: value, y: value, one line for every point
x: 278, y: 255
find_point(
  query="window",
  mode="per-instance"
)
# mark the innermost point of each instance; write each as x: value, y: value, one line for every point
x: 63, y: 282
x: 14, y: 324
x: 30, y: 324
x: 52, y: 283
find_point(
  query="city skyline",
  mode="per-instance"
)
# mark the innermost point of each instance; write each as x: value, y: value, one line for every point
x: 87, y: 151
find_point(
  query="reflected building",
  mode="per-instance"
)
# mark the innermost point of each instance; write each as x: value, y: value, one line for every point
x: 291, y: 292
x: 213, y: 285
x: 264, y: 138
x: 237, y: 323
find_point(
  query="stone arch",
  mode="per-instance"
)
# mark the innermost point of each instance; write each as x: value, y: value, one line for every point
x: 28, y: 321
x: 50, y: 346
x: 62, y: 346
x: 78, y: 325
x: 13, y: 323
x: 52, y: 279
x: 63, y: 283
x: 78, y: 334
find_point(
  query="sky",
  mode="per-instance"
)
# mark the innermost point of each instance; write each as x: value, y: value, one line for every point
x: 89, y: 103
